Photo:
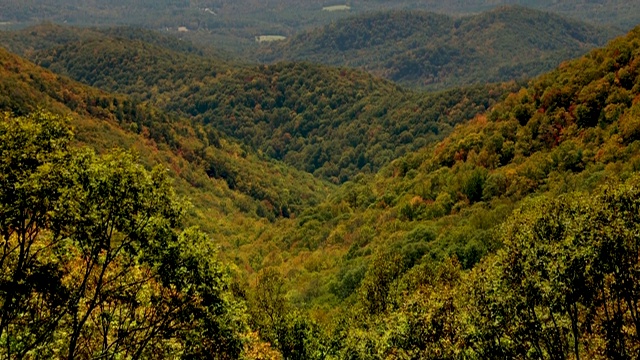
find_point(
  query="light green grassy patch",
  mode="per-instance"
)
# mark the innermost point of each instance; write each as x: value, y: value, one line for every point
x: 269, y: 38
x: 336, y: 8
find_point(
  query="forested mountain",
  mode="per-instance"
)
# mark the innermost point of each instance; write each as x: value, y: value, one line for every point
x: 490, y: 222
x: 224, y: 178
x: 95, y: 256
x: 391, y: 251
x: 569, y: 130
x: 334, y: 123
x: 233, y: 25
x: 619, y: 13
x: 437, y: 51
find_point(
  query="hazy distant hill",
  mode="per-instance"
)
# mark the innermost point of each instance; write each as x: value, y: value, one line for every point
x: 621, y: 13
x: 437, y: 51
x: 287, y: 13
x: 47, y: 35
x: 234, y: 24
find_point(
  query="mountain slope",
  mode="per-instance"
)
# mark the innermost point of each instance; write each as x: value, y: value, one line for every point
x: 530, y: 209
x: 573, y: 129
x: 225, y: 181
x: 564, y: 151
x: 436, y: 51
x: 334, y: 123
x: 233, y: 26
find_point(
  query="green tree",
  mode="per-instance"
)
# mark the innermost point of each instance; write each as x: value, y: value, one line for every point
x: 93, y: 261
x: 296, y: 336
x: 380, y: 282
x: 566, y: 283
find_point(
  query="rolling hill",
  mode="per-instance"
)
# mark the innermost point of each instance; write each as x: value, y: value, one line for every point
x: 622, y: 14
x: 456, y: 247
x: 569, y: 130
x: 233, y: 26
x: 510, y: 235
x: 47, y: 35
x: 437, y: 51
x: 224, y: 179
x: 331, y: 122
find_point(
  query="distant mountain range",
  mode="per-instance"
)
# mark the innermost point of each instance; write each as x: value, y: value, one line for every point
x: 468, y: 223
x: 436, y: 51
x: 233, y: 25
x: 332, y: 122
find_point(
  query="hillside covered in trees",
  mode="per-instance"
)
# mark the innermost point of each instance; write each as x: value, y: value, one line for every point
x: 488, y: 222
x: 486, y: 244
x: 435, y: 51
x: 225, y: 180
x: 331, y: 122
x: 233, y: 25
x: 94, y: 261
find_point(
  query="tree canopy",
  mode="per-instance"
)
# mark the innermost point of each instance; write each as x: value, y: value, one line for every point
x: 94, y: 262
x: 510, y: 235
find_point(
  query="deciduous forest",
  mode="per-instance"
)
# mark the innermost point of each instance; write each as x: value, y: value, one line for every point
x: 161, y: 198
x: 435, y: 51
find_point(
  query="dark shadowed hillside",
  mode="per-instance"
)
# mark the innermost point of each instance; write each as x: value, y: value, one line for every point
x: 437, y: 51
x: 48, y: 35
x: 197, y: 208
x: 233, y: 25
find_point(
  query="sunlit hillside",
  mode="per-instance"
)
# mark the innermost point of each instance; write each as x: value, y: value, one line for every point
x: 161, y: 199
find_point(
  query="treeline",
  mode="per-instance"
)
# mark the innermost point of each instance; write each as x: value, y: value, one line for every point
x: 434, y: 51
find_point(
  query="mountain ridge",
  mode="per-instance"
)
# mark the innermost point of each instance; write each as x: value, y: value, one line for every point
x: 328, y: 121
x: 233, y: 26
x: 438, y: 51
x: 506, y: 236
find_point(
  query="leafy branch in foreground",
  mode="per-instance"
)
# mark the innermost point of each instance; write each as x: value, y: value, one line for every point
x: 93, y: 262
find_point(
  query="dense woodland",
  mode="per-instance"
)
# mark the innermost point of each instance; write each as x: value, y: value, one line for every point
x: 334, y: 123
x: 233, y: 25
x: 434, y: 51
x: 157, y: 201
x: 47, y: 35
